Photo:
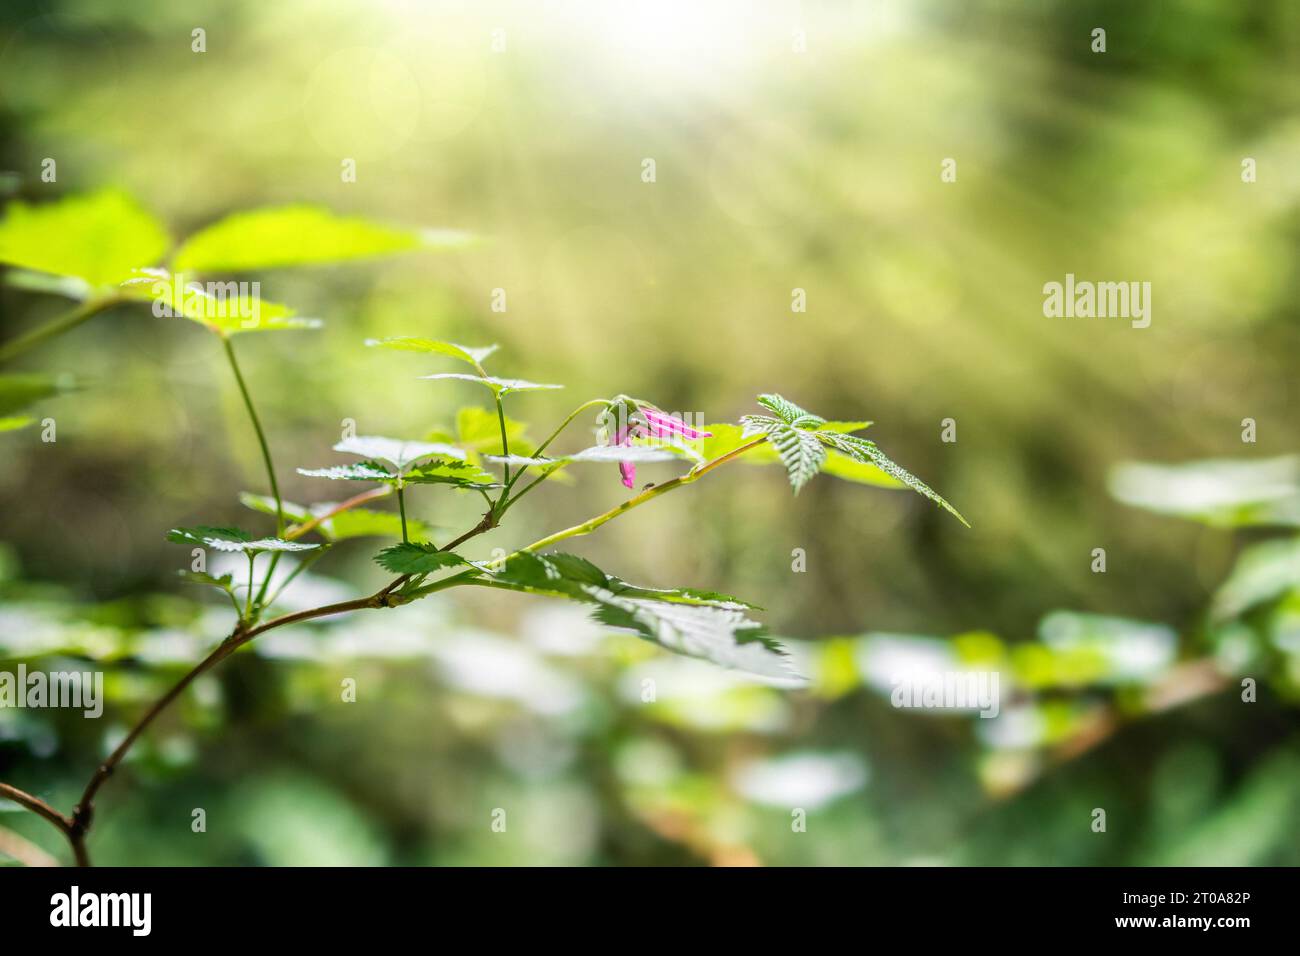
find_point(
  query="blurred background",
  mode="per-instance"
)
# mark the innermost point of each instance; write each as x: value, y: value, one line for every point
x: 795, y: 146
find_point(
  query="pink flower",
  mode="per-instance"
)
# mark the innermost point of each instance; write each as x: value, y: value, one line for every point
x: 625, y: 468
x: 656, y: 424
x: 660, y: 424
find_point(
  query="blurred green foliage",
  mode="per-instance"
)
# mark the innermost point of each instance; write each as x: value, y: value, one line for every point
x: 775, y: 171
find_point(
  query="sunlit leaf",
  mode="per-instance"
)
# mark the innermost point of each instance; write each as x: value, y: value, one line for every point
x: 847, y: 469
x: 97, y: 237
x: 598, y: 454
x: 294, y: 236
x: 227, y: 308
x: 696, y: 624
x: 480, y: 429
x: 360, y: 471
x: 502, y: 386
x: 399, y: 453
x: 459, y: 473
x: 407, y: 343
x: 266, y: 505
x: 865, y: 451
x: 800, y: 451
x: 233, y: 539
x: 366, y: 523
x: 225, y: 582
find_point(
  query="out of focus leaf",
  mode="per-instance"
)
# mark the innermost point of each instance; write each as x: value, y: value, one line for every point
x: 290, y: 236
x: 1219, y: 492
x: 19, y: 391
x: 408, y: 343
x: 1264, y: 572
x: 226, y: 308
x: 501, y: 386
x: 98, y: 237
x: 397, y: 452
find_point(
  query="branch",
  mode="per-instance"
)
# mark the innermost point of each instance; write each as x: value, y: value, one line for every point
x: 76, y: 827
x: 696, y: 473
x: 36, y: 805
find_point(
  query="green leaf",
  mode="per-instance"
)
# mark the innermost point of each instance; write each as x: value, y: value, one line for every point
x: 14, y: 422
x: 366, y: 523
x: 226, y: 582
x: 598, y: 454
x: 295, y: 236
x: 459, y: 473
x: 1263, y: 572
x: 500, y: 386
x: 361, y: 471
x: 19, y: 391
x: 233, y: 539
x: 408, y: 343
x: 800, y: 451
x: 479, y: 428
x: 1222, y: 493
x: 98, y: 237
x: 722, y: 636
x: 412, y: 558
x: 227, y: 308
x: 266, y: 505
x: 679, y: 595
x: 697, y: 624
x: 789, y: 412
x: 728, y: 437
x: 399, y: 453
x: 862, y: 450
x: 841, y: 466
x: 844, y: 427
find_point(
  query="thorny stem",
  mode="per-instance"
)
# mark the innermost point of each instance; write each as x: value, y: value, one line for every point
x: 64, y: 323
x: 76, y: 827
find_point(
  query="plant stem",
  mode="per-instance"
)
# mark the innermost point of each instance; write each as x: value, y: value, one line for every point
x: 401, y: 509
x: 554, y: 435
x: 505, y: 447
x: 270, y: 470
x: 261, y: 436
x: 76, y: 827
x: 301, y: 566
x: 248, y: 599
x: 36, y: 805
x: 69, y: 320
